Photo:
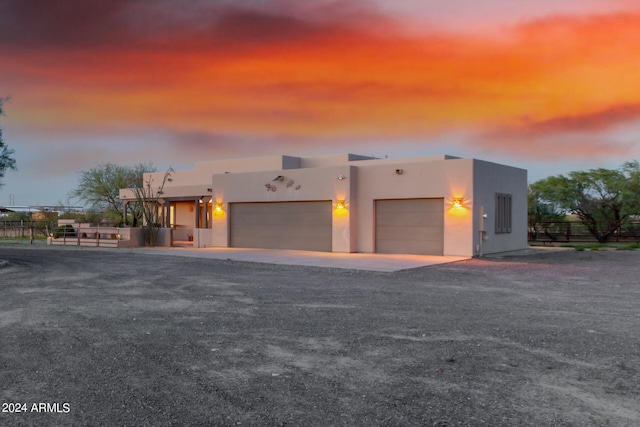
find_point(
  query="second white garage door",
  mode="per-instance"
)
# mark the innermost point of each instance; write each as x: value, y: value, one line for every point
x: 410, y: 226
x: 281, y: 225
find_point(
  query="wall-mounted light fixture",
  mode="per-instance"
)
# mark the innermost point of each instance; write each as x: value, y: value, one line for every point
x: 219, y: 208
x: 399, y: 171
x: 340, y: 204
x: 341, y: 177
x: 457, y: 202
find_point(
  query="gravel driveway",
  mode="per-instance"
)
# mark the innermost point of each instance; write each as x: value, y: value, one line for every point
x: 92, y: 337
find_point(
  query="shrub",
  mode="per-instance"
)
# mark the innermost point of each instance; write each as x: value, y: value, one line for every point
x: 66, y: 230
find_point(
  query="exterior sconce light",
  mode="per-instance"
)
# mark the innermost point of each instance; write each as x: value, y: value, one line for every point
x: 399, y: 171
x: 340, y: 204
x: 341, y: 177
x: 218, y: 209
x: 457, y: 202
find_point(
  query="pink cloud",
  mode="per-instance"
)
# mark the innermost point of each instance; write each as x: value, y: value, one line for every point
x: 587, y: 123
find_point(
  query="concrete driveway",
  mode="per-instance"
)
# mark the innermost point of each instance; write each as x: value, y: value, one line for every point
x: 351, y: 261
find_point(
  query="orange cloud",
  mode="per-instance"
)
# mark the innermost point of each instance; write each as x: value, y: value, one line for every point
x: 326, y: 73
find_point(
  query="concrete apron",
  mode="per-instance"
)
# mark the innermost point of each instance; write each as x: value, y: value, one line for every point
x: 351, y: 261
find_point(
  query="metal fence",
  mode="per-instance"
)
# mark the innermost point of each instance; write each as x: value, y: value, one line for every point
x: 572, y: 231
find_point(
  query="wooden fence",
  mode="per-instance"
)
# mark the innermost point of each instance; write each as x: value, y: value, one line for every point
x: 572, y: 231
x: 16, y: 229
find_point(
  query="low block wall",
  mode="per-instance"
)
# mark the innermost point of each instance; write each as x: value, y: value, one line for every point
x: 203, y: 238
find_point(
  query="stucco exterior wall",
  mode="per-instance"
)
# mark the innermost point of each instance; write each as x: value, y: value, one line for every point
x: 362, y: 184
x: 358, y: 181
x: 307, y: 184
x: 248, y: 164
x: 331, y: 160
x: 430, y: 178
x: 184, y: 220
x: 489, y: 179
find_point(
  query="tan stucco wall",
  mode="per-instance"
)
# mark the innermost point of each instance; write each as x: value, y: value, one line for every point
x: 419, y: 179
x: 314, y: 184
x: 196, y: 182
x: 248, y: 164
x: 184, y: 214
x: 489, y: 179
x: 364, y: 181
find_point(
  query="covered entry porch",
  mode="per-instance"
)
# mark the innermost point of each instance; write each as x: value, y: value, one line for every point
x: 186, y: 217
x: 183, y: 221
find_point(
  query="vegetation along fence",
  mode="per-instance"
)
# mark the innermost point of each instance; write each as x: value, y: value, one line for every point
x: 16, y: 229
x: 572, y: 231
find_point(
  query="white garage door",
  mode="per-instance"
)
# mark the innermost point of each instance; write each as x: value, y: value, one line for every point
x: 410, y: 226
x: 281, y: 225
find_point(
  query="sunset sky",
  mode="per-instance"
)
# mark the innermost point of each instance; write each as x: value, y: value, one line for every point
x: 546, y: 85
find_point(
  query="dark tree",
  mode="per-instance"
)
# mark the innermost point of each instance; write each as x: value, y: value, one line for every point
x: 100, y: 186
x: 541, y: 214
x: 7, y: 161
x: 602, y: 199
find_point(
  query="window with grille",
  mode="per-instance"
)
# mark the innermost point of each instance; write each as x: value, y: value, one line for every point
x: 503, y: 213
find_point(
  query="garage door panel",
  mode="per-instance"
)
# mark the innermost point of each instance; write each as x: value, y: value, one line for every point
x: 411, y: 226
x: 410, y: 233
x: 417, y: 247
x: 278, y: 220
x: 282, y: 225
x: 426, y: 219
x: 276, y: 232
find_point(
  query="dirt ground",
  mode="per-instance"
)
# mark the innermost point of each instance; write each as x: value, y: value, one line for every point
x: 98, y: 337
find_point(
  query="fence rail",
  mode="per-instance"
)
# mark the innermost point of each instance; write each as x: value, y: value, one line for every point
x: 572, y: 231
x: 98, y: 236
x: 14, y: 231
